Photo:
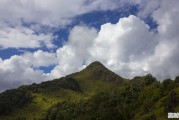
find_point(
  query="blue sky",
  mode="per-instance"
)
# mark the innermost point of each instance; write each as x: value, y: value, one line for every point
x: 41, y: 41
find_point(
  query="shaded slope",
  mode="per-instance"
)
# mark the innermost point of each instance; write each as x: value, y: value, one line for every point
x: 11, y: 99
x: 64, y: 82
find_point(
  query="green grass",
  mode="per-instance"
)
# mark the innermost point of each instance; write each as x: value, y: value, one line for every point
x: 42, y: 102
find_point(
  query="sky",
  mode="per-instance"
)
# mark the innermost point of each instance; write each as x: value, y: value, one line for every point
x: 43, y: 40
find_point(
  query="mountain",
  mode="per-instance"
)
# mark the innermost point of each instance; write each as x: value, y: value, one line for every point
x: 98, y: 71
x: 95, y: 93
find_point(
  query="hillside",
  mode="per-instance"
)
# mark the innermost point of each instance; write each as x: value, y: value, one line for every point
x: 95, y: 93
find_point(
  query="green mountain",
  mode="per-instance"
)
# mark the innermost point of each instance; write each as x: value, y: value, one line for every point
x: 95, y: 93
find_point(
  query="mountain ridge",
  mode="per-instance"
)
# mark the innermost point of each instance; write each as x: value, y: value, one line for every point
x: 93, y: 93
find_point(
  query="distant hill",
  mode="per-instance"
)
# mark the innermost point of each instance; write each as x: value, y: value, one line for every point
x: 95, y: 93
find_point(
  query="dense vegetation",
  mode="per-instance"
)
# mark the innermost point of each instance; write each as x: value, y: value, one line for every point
x: 95, y: 93
x: 143, y: 98
x: 13, y: 99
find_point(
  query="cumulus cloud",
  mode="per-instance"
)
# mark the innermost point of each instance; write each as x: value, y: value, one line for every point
x: 166, y: 54
x: 22, y: 37
x: 40, y: 58
x: 74, y: 54
x: 20, y: 70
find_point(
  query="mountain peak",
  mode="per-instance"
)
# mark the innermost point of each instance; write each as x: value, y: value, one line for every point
x: 98, y: 71
x: 95, y: 64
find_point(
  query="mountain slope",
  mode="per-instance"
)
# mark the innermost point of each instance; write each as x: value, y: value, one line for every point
x: 33, y: 100
x: 93, y: 93
x: 96, y: 77
x: 98, y: 71
x: 81, y: 85
x: 143, y: 98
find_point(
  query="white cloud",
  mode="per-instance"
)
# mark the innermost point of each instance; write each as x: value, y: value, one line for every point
x: 74, y: 53
x: 147, y: 7
x: 22, y: 37
x: 164, y: 63
x: 128, y: 39
x: 40, y: 58
x: 19, y: 70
